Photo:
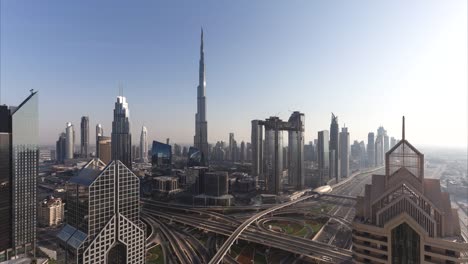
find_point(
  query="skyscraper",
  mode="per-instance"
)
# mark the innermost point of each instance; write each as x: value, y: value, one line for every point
x: 105, y: 149
x: 201, y: 125
x: 103, y: 217
x: 121, y: 137
x: 19, y: 158
x: 99, y: 133
x: 323, y: 156
x: 144, y: 145
x: 84, y: 137
x: 273, y: 155
x: 243, y: 152
x: 296, y: 150
x: 60, y: 148
x: 370, y: 150
x: 344, y: 152
x: 379, y: 151
x: 70, y: 141
x: 231, y: 147
x: 335, y: 145
x: 257, y: 149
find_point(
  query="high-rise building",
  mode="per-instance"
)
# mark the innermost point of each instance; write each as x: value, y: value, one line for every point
x: 161, y: 159
x: 273, y: 155
x: 231, y: 147
x: 344, y: 152
x: 296, y: 150
x: 335, y: 145
x: 105, y: 149
x: 269, y: 163
x: 99, y: 132
x: 121, y: 135
x: 257, y: 149
x: 405, y: 218
x: 323, y: 156
x: 201, y: 125
x: 84, y: 137
x: 370, y: 150
x: 19, y: 168
x: 103, y: 216
x: 392, y: 142
x: 70, y: 141
x: 379, y: 151
x: 144, y: 145
x: 60, y: 148
x: 243, y: 153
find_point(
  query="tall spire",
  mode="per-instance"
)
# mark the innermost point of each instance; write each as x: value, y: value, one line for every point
x: 403, y: 129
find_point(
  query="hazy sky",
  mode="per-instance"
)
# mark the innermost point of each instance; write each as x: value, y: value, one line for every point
x: 369, y: 62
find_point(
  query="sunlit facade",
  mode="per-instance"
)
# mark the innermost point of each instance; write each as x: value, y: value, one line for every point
x: 405, y: 218
x: 103, y: 216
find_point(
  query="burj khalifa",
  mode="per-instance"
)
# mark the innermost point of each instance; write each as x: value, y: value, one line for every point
x: 201, y: 126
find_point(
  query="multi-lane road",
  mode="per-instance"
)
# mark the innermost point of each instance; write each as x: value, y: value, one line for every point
x: 326, y: 248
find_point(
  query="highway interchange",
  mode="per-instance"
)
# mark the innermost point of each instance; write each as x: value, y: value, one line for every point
x: 330, y: 245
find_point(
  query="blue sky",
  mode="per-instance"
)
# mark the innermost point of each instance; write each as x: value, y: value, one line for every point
x: 369, y: 62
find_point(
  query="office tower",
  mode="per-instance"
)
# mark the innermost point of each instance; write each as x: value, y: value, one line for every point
x: 121, y: 136
x: 201, y: 125
x: 105, y: 149
x: 363, y: 162
x: 392, y: 142
x: 370, y: 150
x: 386, y: 144
x: 103, y: 216
x: 242, y: 156
x: 184, y: 151
x: 84, y: 137
x: 344, y: 152
x: 296, y: 150
x: 257, y: 149
x: 335, y: 145
x: 331, y: 169
x: 195, y: 157
x: 405, y: 218
x: 323, y: 156
x: 273, y: 154
x: 144, y: 145
x: 60, y: 148
x: 161, y: 159
x: 19, y: 158
x: 355, y: 156
x: 70, y: 141
x: 379, y: 151
x: 269, y: 162
x: 231, y: 147
x: 177, y: 150
x: 249, y: 152
x: 285, y: 158
x: 99, y: 132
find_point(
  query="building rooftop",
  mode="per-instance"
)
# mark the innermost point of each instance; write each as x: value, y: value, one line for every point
x: 89, y: 172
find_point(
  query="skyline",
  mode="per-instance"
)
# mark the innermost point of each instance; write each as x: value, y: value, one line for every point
x: 248, y: 68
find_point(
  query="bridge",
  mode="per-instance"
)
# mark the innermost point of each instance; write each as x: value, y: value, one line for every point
x: 339, y: 196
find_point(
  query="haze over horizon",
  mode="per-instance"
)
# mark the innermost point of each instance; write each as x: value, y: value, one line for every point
x: 312, y: 57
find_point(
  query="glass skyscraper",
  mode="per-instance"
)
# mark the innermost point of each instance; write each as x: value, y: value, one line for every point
x: 19, y: 157
x: 103, y: 216
x: 161, y: 159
